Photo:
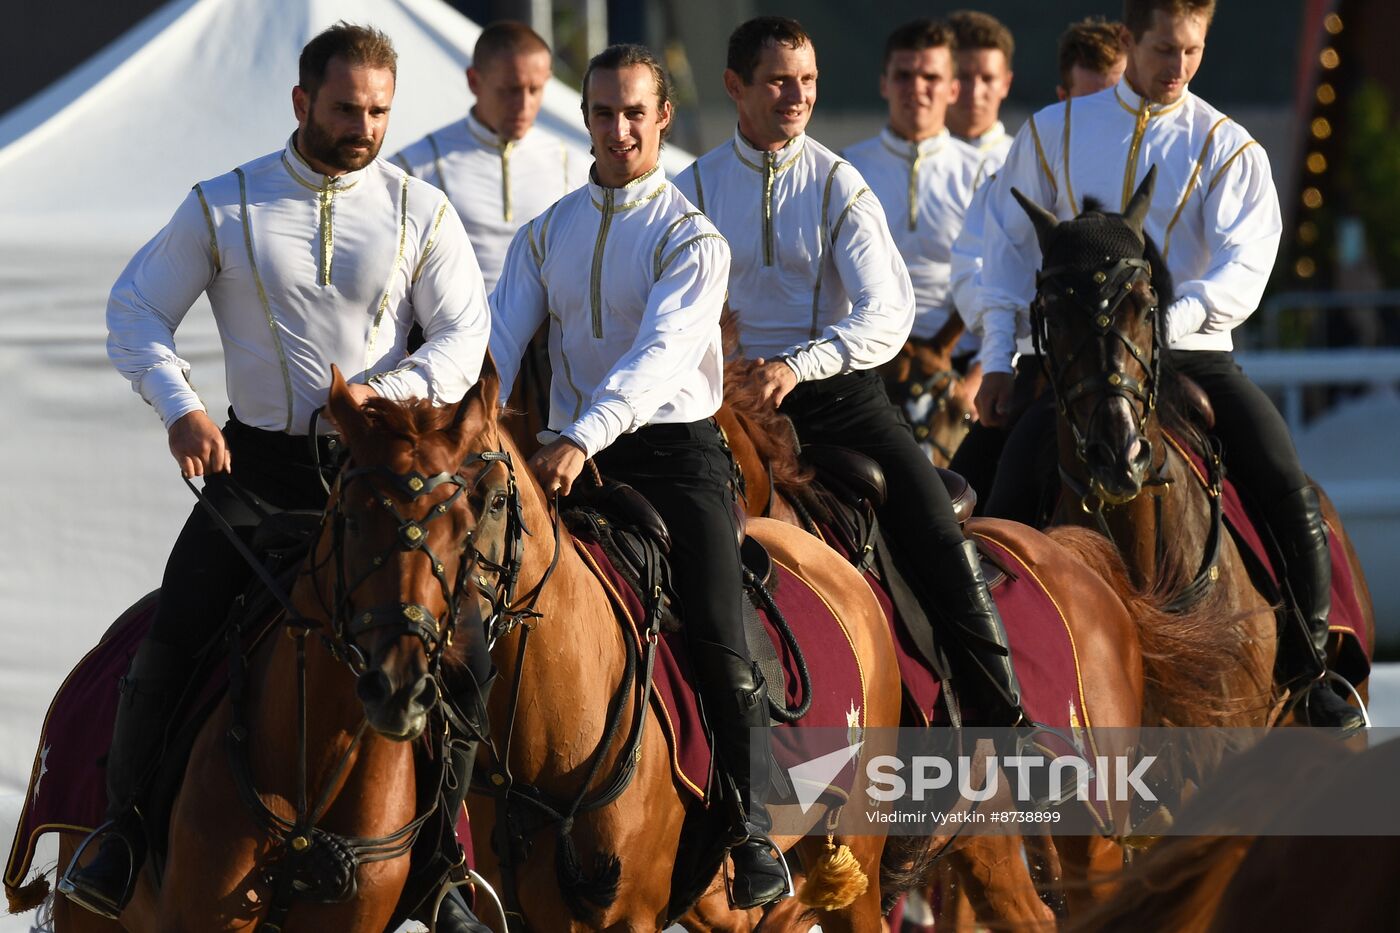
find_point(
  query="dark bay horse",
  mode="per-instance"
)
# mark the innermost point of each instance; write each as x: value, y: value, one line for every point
x: 1125, y: 425
x: 376, y: 599
x: 568, y: 726
x: 1128, y: 667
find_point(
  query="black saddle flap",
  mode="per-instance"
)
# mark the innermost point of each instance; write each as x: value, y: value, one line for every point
x: 625, y: 507
x: 291, y: 530
x: 852, y: 470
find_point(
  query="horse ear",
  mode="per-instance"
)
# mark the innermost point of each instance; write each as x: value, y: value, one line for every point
x: 1043, y: 221
x: 477, y: 406
x: 343, y: 408
x: 1136, y: 211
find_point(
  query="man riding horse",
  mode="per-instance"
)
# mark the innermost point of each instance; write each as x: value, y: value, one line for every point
x: 637, y: 379
x: 821, y: 297
x: 1215, y: 218
x: 294, y: 251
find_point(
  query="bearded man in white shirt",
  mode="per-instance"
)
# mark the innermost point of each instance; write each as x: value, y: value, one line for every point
x: 983, y: 59
x: 1215, y: 219
x: 497, y: 167
x: 638, y: 373
x: 821, y: 297
x: 314, y: 255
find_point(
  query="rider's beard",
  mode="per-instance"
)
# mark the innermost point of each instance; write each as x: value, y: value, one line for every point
x: 317, y: 143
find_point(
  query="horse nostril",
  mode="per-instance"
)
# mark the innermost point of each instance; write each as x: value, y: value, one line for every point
x: 427, y: 692
x: 373, y: 688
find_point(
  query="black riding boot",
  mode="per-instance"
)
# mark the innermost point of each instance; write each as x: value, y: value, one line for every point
x: 963, y: 599
x: 148, y: 694
x: 1296, y: 522
x: 736, y: 703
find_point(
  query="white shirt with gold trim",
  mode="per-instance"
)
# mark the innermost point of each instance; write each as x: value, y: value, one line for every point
x: 632, y: 282
x: 816, y: 276
x: 304, y: 270
x: 1214, y: 215
x: 496, y: 185
x: 924, y: 188
x: 992, y: 145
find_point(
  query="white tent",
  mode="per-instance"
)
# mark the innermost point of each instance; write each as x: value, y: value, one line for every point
x: 89, y: 498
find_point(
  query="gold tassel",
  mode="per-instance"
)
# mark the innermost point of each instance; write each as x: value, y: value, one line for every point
x: 28, y: 896
x: 835, y: 881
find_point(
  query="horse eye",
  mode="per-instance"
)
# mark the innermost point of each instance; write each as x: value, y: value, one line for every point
x: 498, y: 502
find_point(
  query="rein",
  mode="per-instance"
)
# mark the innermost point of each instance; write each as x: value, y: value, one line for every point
x: 1111, y: 287
x: 313, y: 861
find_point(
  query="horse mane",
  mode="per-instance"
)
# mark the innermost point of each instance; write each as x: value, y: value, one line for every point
x: 407, y: 420
x: 771, y: 432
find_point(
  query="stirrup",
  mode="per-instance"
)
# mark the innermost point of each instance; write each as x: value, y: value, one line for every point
x: 788, y: 891
x: 1056, y: 796
x: 480, y: 884
x: 1299, y: 701
x: 103, y: 907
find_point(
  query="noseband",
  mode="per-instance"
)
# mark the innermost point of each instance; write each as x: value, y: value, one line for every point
x: 1100, y: 293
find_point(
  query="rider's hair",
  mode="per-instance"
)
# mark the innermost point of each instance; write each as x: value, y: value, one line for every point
x: 627, y: 55
x: 504, y: 38
x: 1137, y: 14
x: 976, y: 30
x: 1091, y: 43
x: 362, y: 46
x: 746, y: 44
x: 918, y: 35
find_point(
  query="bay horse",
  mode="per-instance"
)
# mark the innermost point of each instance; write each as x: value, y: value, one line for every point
x: 318, y: 755
x: 572, y: 737
x: 1130, y: 670
x: 1126, y: 434
x: 934, y: 396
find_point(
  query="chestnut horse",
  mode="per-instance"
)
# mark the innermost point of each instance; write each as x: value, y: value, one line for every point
x: 1123, y: 430
x: 934, y: 396
x: 1128, y: 644
x: 572, y: 738
x: 378, y: 598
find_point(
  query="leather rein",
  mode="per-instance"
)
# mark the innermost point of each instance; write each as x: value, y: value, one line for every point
x: 1107, y: 289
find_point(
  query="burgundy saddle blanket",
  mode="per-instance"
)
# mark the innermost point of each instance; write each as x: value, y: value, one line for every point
x: 1347, y: 618
x: 838, y: 683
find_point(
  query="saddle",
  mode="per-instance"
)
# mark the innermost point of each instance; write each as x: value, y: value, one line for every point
x: 636, y: 540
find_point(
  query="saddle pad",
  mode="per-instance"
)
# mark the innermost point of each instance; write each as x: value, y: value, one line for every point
x: 1042, y: 650
x: 1353, y: 662
x: 838, y: 683
x: 67, y: 787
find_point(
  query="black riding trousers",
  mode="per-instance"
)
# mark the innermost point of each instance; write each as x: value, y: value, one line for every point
x: 854, y: 411
x: 1257, y: 448
x: 685, y: 472
x: 205, y: 573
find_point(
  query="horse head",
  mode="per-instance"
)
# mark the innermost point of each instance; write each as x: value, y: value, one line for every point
x: 413, y: 501
x: 1096, y: 324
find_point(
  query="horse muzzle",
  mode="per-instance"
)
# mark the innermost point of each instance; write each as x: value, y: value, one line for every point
x: 397, y: 711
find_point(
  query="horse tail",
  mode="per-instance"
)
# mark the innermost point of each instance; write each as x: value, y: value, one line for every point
x: 905, y: 865
x: 586, y: 895
x: 1186, y: 655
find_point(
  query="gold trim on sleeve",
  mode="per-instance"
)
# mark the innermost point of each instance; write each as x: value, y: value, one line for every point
x: 568, y: 370
x: 432, y: 241
x: 262, y: 294
x: 817, y: 262
x: 836, y: 230
x: 670, y: 257
x: 1190, y: 186
x: 656, y: 263
x: 437, y: 164
x: 213, y: 236
x: 393, y: 273
x: 1069, y: 186
x: 699, y: 188
x: 1044, y: 162
x: 1228, y: 162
